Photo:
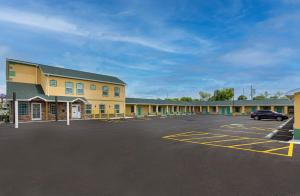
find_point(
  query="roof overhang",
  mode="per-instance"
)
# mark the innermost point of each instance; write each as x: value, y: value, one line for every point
x: 292, y: 93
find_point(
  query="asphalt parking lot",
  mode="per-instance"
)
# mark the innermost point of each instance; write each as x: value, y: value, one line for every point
x: 190, y: 155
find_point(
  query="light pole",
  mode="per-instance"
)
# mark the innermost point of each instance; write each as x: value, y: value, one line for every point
x: 233, y: 109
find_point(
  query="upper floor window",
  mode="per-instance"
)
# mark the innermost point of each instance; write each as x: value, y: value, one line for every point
x: 105, y: 90
x: 79, y: 88
x: 69, y: 87
x: 53, y: 83
x: 93, y: 87
x: 117, y: 91
x: 11, y: 73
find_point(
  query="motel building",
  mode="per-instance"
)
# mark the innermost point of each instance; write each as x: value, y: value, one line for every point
x: 45, y: 93
x: 294, y: 95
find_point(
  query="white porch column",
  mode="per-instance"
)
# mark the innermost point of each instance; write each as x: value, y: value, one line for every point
x: 16, y: 115
x: 68, y: 113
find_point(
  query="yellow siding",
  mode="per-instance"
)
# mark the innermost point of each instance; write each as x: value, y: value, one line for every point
x: 24, y: 73
x: 109, y: 106
x: 42, y: 79
x: 128, y: 110
x: 88, y: 93
x: 297, y: 110
x: 93, y: 97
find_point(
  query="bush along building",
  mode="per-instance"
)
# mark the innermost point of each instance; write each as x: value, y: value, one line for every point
x: 43, y: 93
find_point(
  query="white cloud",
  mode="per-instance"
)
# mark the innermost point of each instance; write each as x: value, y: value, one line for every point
x: 108, y: 31
x: 3, y: 89
x: 257, y: 56
x: 40, y: 21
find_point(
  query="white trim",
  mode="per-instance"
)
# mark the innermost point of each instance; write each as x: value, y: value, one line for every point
x: 37, y: 97
x: 32, y: 111
x: 57, y: 75
x: 79, y: 99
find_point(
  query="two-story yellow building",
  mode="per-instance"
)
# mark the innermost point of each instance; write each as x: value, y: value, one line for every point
x: 44, y: 91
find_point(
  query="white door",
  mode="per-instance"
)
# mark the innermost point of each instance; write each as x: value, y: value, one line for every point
x: 76, y: 113
x: 36, y: 111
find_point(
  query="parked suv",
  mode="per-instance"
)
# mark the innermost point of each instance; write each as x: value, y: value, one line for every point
x: 268, y: 114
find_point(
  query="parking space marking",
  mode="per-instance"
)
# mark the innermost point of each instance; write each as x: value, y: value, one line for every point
x: 275, y: 149
x: 218, y: 136
x: 229, y: 140
x: 247, y: 128
x: 237, y: 131
x: 261, y: 142
x: 256, y: 141
x: 291, y: 149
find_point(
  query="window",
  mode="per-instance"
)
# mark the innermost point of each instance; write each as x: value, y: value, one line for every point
x: 52, y: 108
x: 79, y: 89
x: 117, y: 91
x: 105, y: 90
x: 93, y: 87
x: 175, y: 108
x: 53, y: 83
x: 69, y: 87
x: 132, y: 109
x: 102, y: 108
x: 88, y: 108
x: 117, y: 108
x: 12, y: 73
x: 23, y: 108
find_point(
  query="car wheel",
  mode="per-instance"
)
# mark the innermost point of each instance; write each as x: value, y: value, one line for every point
x: 256, y: 118
x: 279, y: 118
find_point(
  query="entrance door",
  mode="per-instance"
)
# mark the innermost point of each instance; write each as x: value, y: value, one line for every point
x: 228, y: 110
x: 139, y: 110
x: 36, y: 111
x: 76, y: 113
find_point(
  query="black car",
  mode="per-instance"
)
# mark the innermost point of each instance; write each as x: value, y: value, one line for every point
x: 268, y: 114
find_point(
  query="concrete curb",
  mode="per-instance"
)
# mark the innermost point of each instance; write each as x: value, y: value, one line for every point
x: 270, y: 135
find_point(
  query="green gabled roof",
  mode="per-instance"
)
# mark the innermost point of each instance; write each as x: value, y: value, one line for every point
x: 26, y: 91
x: 267, y: 102
x: 69, y: 73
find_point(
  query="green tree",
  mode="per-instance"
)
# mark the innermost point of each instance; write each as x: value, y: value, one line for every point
x: 222, y: 95
x: 259, y: 97
x: 266, y: 94
x: 204, y: 96
x: 188, y: 99
x: 242, y: 97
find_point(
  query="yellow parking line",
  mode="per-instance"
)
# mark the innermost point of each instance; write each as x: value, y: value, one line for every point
x: 241, y: 138
x: 237, y: 131
x: 193, y: 134
x: 178, y: 134
x: 252, y: 143
x: 274, y: 149
x: 291, y: 149
x: 232, y: 147
x: 204, y: 137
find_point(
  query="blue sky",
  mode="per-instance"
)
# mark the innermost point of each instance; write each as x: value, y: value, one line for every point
x: 160, y: 48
